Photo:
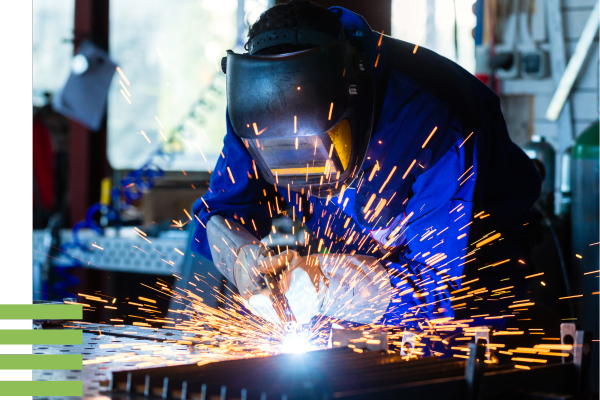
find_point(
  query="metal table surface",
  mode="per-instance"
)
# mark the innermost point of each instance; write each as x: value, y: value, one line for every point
x: 108, y: 348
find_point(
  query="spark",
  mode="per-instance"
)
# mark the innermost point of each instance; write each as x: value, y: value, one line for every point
x: 429, y: 137
x: 377, y: 60
x: 570, y: 297
x: 230, y: 175
x: 146, y: 299
x: 409, y: 168
x: 256, y: 129
x: 163, y: 135
x: 161, y: 57
x: 197, y: 145
x: 124, y: 95
x: 124, y: 88
x: 534, y: 275
x: 144, y: 134
x: 388, y: 179
x: 415, y: 49
x: 330, y: 111
x: 578, y: 256
x: 123, y: 76
x: 461, y: 145
x: 486, y: 241
x: 380, y: 38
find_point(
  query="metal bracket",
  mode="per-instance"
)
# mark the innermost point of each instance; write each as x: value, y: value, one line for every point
x: 483, y: 333
x: 580, y: 342
x: 409, y: 339
x: 474, y: 368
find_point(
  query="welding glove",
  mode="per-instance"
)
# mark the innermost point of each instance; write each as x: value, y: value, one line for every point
x: 240, y: 257
x: 350, y: 287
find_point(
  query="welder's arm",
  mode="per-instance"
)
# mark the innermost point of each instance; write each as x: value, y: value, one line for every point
x: 240, y: 257
x: 236, y: 192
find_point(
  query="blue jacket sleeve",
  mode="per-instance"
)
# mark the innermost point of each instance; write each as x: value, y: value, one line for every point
x: 237, y: 191
x: 436, y: 238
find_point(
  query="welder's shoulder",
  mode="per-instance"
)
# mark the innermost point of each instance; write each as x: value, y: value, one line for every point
x: 443, y: 78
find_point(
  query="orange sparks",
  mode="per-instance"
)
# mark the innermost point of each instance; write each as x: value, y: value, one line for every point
x: 146, y: 137
x: 461, y: 145
x: 534, y: 275
x: 429, y: 137
x: 231, y: 175
x: 201, y: 152
x: 380, y: 38
x: 460, y: 179
x: 330, y: 111
x: 486, y: 241
x: 123, y: 76
x: 578, y: 256
x: 591, y: 272
x: 158, y: 120
x: 570, y: 297
x: 371, y: 199
x: 377, y: 61
x: 147, y: 300
x: 415, y: 49
x: 296, y: 127
x: 256, y: 129
x: 409, y: 168
x: 124, y: 88
x: 533, y: 360
x: 179, y: 251
x: 517, y: 365
x: 188, y: 214
x: 124, y: 95
x: 161, y: 57
x: 388, y: 179
x: 255, y: 171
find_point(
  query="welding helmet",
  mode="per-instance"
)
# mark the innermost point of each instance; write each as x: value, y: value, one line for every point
x: 305, y: 117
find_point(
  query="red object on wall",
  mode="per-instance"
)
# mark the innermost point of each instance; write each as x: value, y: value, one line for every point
x: 43, y: 166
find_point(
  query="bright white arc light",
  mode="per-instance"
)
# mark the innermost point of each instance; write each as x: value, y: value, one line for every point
x: 296, y: 343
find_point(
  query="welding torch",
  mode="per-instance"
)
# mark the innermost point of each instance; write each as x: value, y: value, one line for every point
x: 280, y: 303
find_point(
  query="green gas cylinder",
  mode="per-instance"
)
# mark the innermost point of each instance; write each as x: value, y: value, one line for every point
x: 585, y: 234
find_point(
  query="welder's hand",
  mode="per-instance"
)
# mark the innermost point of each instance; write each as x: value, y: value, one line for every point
x: 240, y: 257
x: 304, y: 287
x: 359, y: 288
x: 350, y: 287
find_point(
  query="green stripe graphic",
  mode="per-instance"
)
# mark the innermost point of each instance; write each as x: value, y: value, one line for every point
x: 41, y: 388
x: 40, y: 336
x: 41, y: 361
x: 41, y: 311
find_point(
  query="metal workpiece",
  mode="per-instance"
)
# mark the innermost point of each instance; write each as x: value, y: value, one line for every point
x: 370, y: 341
x: 127, y: 362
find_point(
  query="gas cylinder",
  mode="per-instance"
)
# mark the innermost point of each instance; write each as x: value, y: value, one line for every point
x: 584, y: 227
x: 539, y: 149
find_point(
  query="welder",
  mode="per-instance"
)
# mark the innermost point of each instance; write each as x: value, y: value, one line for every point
x: 395, y: 159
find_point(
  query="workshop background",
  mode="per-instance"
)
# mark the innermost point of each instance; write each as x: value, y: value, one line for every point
x: 128, y: 120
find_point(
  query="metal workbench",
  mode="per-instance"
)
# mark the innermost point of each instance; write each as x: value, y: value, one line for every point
x: 141, y: 348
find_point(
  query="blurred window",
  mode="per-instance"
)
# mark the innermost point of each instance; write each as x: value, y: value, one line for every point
x: 430, y: 23
x: 52, y: 45
x: 170, y: 52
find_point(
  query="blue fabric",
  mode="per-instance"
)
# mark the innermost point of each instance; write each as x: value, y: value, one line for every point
x: 468, y: 166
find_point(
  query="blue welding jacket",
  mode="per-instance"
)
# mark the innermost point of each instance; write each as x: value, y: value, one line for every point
x: 441, y: 173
